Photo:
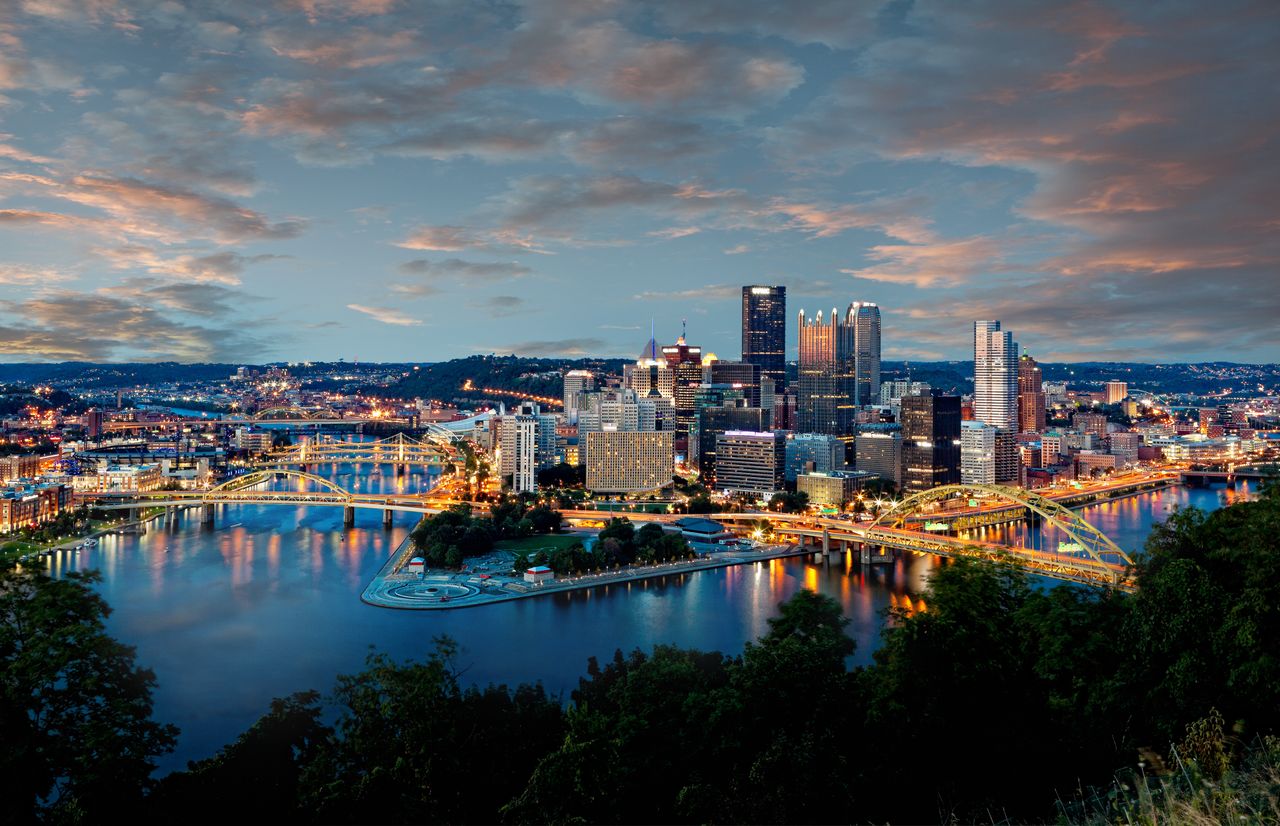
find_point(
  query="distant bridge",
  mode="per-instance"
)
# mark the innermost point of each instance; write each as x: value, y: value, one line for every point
x: 400, y: 450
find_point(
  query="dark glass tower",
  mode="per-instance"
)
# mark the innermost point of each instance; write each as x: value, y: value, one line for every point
x: 930, y: 442
x: 764, y: 331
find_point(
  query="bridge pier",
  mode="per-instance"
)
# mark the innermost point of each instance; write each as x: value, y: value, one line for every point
x: 386, y: 518
x: 826, y: 541
x: 401, y: 469
x: 348, y: 516
x: 206, y: 514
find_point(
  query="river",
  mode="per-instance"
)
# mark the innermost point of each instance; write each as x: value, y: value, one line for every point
x: 267, y: 603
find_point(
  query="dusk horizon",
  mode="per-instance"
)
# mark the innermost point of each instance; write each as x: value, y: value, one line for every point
x: 380, y: 180
x: 639, y: 411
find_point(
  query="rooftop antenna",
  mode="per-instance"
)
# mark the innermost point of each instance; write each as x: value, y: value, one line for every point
x: 653, y: 342
x: 684, y: 329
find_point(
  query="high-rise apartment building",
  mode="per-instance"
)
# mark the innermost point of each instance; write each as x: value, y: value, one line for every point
x: 995, y: 391
x: 629, y: 462
x: 764, y: 331
x: 930, y: 442
x: 1031, y: 400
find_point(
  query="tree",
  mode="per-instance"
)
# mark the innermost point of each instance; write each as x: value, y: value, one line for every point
x: 261, y: 772
x: 789, y: 501
x: 75, y: 709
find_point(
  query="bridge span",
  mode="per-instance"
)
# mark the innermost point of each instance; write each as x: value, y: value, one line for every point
x: 1098, y: 562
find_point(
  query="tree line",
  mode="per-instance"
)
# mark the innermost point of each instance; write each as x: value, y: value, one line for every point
x: 1003, y: 701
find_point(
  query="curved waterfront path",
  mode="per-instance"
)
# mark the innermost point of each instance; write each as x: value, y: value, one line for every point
x: 436, y: 590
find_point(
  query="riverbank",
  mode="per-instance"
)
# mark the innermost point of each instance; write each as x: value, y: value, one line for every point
x: 444, y: 591
x: 22, y: 550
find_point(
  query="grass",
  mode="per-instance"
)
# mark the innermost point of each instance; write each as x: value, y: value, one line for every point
x: 533, y: 544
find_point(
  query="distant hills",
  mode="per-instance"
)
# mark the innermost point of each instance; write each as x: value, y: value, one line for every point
x: 447, y: 381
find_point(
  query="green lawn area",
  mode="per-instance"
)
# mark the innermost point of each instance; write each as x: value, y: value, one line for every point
x: 533, y: 544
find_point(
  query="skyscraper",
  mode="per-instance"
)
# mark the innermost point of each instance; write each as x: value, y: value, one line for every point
x: 764, y: 331
x: 930, y: 442
x: 839, y: 368
x: 995, y: 390
x: 1030, y: 396
x: 865, y: 319
x: 827, y: 384
x: 576, y: 382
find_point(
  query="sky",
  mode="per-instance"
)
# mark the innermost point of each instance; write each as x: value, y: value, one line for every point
x: 412, y: 180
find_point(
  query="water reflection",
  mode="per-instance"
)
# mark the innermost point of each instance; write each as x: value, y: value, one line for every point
x: 267, y: 603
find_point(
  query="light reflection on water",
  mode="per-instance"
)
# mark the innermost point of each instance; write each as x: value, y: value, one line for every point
x: 267, y: 603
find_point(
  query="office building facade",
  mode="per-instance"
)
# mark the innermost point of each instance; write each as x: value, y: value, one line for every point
x: 750, y: 462
x: 813, y: 452
x: 764, y: 331
x: 995, y: 391
x: 930, y: 442
x: 977, y: 453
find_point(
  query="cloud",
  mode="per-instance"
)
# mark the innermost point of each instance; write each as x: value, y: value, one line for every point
x: 465, y: 270
x: 565, y: 347
x: 222, y: 267
x: 945, y: 263
x: 737, y: 249
x: 29, y: 275
x: 130, y: 207
x: 501, y: 306
x: 458, y: 239
x: 140, y: 321
x: 675, y: 232
x: 834, y: 23
x: 387, y: 315
x: 711, y: 292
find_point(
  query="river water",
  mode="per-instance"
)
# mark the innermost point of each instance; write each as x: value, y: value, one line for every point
x: 267, y: 603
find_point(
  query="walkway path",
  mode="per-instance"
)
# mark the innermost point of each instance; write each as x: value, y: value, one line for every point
x: 439, y: 590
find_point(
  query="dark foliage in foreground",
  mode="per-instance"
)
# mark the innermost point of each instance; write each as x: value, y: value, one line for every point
x: 1000, y: 702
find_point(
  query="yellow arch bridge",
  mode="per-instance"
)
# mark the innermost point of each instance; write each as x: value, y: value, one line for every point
x: 1099, y: 561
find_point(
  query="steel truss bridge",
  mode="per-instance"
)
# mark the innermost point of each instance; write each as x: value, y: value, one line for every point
x: 247, y: 490
x: 398, y: 450
x: 1099, y: 562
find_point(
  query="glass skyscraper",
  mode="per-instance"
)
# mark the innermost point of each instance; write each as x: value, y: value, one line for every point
x: 995, y: 392
x: 764, y: 331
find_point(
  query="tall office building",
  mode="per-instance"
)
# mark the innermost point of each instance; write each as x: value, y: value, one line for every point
x: 995, y: 391
x: 1117, y: 391
x: 808, y: 452
x: 1031, y: 401
x: 764, y: 331
x: 576, y: 382
x: 750, y: 462
x: 977, y: 453
x: 713, y: 421
x: 839, y: 369
x: 878, y: 450
x: 865, y: 319
x: 743, y: 375
x: 930, y: 442
x: 518, y: 451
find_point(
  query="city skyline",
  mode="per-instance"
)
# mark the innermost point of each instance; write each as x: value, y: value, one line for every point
x: 392, y: 181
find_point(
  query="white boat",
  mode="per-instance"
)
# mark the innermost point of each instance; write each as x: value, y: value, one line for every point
x: 89, y: 543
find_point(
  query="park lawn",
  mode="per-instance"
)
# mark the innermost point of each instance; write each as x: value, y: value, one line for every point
x: 533, y: 544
